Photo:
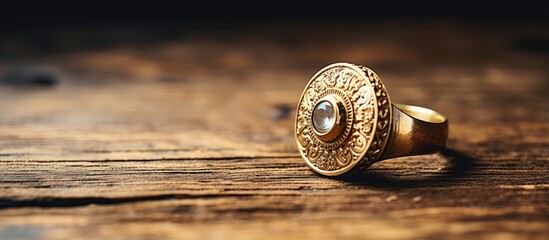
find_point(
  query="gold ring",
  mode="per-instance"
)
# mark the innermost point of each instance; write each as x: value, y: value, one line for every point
x: 345, y: 122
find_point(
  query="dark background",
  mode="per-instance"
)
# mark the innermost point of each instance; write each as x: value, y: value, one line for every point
x: 17, y: 15
x: 38, y: 28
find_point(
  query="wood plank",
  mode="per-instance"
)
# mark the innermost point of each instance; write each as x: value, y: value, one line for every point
x: 194, y: 138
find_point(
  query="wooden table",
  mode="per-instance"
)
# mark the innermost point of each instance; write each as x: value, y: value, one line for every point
x: 141, y: 133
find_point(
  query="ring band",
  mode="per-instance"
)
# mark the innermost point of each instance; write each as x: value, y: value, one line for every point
x: 345, y: 122
x: 415, y: 130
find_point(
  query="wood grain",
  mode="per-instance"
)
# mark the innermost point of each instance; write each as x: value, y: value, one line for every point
x: 193, y: 137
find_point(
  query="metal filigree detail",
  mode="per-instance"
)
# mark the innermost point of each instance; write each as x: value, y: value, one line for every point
x: 367, y: 119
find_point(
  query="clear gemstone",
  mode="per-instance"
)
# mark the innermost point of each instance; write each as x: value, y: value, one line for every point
x: 324, y: 117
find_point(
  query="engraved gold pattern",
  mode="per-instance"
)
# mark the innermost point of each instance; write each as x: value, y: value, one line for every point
x: 367, y: 125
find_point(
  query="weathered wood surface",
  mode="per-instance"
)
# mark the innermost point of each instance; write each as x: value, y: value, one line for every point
x: 192, y: 137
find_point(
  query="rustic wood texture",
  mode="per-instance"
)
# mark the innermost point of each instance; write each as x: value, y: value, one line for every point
x: 192, y: 136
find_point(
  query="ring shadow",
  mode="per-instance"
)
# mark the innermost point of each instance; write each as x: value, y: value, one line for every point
x: 459, y: 165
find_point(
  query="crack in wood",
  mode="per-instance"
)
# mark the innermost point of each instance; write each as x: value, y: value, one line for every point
x: 160, y: 159
x: 56, y: 202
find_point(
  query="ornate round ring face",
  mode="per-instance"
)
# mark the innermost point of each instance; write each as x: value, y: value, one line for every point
x: 343, y: 119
